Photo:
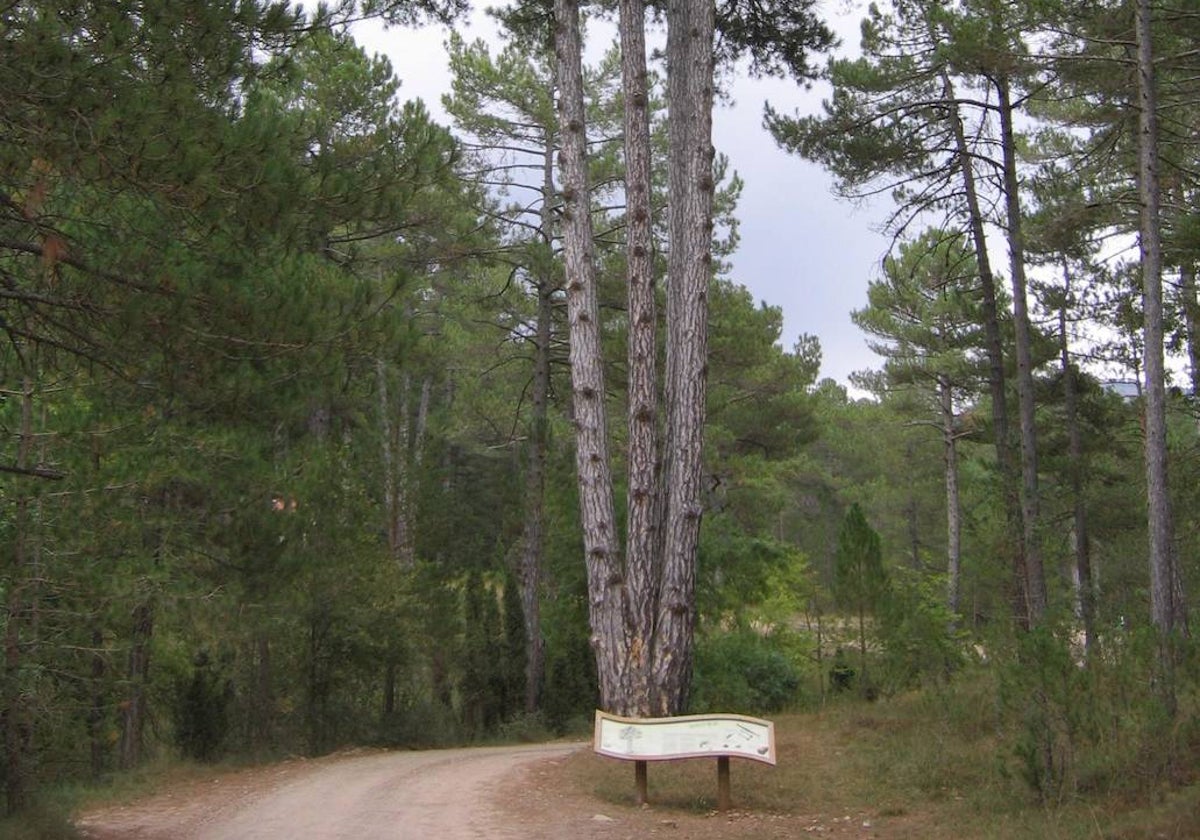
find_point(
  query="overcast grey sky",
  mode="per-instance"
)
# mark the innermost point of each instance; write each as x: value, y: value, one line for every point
x: 801, y: 248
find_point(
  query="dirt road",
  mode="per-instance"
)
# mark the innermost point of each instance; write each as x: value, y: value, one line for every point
x: 443, y: 794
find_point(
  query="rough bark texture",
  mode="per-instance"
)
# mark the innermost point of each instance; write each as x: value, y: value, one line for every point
x: 1165, y: 612
x: 1035, y: 579
x: 600, y: 539
x: 690, y: 26
x: 642, y: 542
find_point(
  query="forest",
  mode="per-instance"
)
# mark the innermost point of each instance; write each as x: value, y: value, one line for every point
x: 291, y: 406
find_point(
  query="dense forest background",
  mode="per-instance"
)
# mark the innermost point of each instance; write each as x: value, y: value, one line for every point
x: 287, y: 430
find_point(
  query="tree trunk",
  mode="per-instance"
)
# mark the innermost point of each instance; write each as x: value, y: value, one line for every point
x: 16, y: 717
x: 133, y: 709
x: 593, y: 465
x: 96, y: 713
x: 995, y: 354
x: 529, y: 571
x: 690, y: 30
x: 262, y: 693
x: 1084, y: 592
x: 953, y: 512
x: 643, y: 547
x: 1035, y: 578
x: 1191, y: 321
x: 402, y: 444
x: 1166, y: 612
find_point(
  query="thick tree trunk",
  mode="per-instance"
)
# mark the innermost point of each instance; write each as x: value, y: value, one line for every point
x: 133, y: 709
x: 642, y: 550
x: 1035, y: 578
x: 1166, y: 611
x: 953, y: 507
x: 1084, y: 592
x: 606, y: 583
x: 995, y: 354
x: 690, y: 25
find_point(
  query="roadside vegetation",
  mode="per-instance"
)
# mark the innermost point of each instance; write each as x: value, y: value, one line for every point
x: 941, y: 763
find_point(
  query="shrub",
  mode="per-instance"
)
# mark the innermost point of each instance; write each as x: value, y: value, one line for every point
x: 744, y: 671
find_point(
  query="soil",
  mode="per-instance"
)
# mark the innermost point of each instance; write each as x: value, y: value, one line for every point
x: 500, y: 793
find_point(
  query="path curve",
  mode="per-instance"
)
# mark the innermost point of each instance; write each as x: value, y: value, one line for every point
x: 444, y: 794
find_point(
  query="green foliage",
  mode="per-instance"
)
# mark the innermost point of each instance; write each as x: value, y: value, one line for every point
x: 1092, y: 728
x: 860, y: 581
x: 200, y: 712
x: 745, y: 672
x: 915, y: 631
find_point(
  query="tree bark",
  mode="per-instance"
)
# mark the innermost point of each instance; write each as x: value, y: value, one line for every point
x: 15, y: 715
x: 953, y: 512
x: 529, y: 571
x: 96, y: 712
x: 1166, y: 611
x: 1035, y: 579
x: 642, y: 550
x: 995, y: 353
x: 690, y: 25
x: 133, y: 709
x: 1191, y: 321
x: 1084, y: 592
x: 597, y: 511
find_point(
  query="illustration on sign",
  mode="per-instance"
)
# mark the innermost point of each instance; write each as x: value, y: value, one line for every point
x: 685, y: 737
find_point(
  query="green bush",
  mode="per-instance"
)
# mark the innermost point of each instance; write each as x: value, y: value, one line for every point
x: 201, y: 719
x: 744, y: 671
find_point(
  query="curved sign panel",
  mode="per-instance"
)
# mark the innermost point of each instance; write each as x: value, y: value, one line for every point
x: 689, y: 736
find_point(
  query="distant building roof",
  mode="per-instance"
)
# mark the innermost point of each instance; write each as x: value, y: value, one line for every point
x: 1125, y: 389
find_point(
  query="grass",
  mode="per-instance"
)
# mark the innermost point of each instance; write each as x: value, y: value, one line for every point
x: 936, y: 765
x: 931, y: 765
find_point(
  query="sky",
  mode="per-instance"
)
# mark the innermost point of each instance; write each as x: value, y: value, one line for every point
x: 802, y: 249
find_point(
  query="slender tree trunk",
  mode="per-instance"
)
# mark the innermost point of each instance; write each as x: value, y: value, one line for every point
x: 16, y: 716
x: 1035, y: 578
x: 1084, y: 587
x: 133, y: 710
x: 96, y: 713
x: 1166, y: 612
x: 402, y: 444
x: 529, y: 571
x: 690, y: 32
x: 262, y: 691
x: 643, y: 513
x: 1191, y: 320
x: 606, y: 583
x: 390, y: 672
x: 995, y: 354
x: 389, y: 432
x: 953, y: 507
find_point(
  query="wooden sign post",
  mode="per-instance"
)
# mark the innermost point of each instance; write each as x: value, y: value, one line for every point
x: 642, y: 740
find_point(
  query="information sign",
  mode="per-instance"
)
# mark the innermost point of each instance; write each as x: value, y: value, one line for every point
x: 689, y: 736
